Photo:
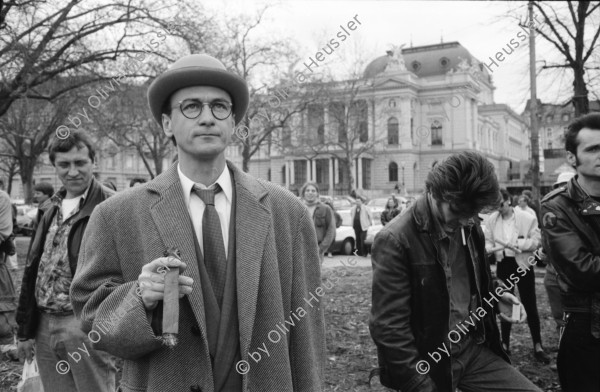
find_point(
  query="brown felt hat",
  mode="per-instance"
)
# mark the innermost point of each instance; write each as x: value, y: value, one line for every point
x: 198, y: 70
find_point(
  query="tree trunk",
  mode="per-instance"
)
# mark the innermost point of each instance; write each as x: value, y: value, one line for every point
x: 580, y: 99
x: 27, y: 167
x: 246, y: 157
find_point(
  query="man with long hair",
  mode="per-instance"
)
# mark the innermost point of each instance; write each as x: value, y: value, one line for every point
x: 433, y: 315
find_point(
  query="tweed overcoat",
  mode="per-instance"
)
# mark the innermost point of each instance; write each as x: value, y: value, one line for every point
x: 277, y: 276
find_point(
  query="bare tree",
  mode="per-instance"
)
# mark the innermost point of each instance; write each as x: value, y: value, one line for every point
x: 40, y: 41
x: 26, y: 129
x: 564, y: 26
x: 128, y: 123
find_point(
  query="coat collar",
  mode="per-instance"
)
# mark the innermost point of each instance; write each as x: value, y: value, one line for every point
x: 95, y: 194
x: 587, y: 205
x: 252, y: 226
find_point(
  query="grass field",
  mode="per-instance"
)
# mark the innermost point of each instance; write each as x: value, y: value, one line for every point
x: 351, y: 354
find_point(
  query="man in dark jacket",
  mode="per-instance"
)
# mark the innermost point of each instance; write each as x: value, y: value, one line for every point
x: 64, y: 354
x: 571, y: 237
x: 433, y: 306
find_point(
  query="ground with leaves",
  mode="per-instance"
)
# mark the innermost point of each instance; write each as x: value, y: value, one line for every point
x: 351, y: 353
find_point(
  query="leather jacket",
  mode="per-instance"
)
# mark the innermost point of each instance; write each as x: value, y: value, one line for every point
x: 410, y: 312
x: 27, y: 311
x: 571, y: 238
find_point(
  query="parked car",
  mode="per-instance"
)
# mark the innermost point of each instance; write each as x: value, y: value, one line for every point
x: 25, y: 216
x: 340, y: 202
x: 344, y: 235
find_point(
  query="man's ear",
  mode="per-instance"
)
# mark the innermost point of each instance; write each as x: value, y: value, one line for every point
x: 572, y: 159
x: 166, y: 125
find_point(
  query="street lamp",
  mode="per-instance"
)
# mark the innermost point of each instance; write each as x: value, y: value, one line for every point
x: 402, y: 164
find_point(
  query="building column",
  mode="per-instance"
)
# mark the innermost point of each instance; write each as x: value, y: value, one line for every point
x: 330, y: 179
x: 287, y: 174
x: 292, y: 173
x: 359, y: 173
x: 314, y: 170
x: 308, y: 171
x: 336, y: 174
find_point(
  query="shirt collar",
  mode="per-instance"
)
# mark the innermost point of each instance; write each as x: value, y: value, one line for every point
x: 224, y: 181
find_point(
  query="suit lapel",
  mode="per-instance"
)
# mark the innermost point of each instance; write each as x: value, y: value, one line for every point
x: 252, y: 225
x: 172, y: 220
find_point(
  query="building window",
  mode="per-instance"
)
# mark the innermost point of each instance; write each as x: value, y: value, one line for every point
x: 283, y: 174
x: 392, y: 103
x: 392, y: 128
x: 321, y: 133
x: 341, y: 171
x: 550, y: 145
x: 436, y: 133
x: 337, y: 120
x: 129, y: 161
x: 358, y: 119
x: 366, y: 173
x: 322, y: 171
x: 393, y: 172
x: 363, y: 130
x: 269, y: 175
x: 566, y: 117
x: 316, y: 118
x: 300, y: 171
x: 549, y: 133
x: 549, y: 118
x: 416, y: 66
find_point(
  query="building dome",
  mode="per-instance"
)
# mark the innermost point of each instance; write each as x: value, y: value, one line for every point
x: 430, y: 60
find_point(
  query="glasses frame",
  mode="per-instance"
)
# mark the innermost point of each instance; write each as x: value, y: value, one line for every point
x: 202, y: 104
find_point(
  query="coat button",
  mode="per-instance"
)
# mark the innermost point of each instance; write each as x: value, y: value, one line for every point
x: 196, y: 330
x: 195, y: 388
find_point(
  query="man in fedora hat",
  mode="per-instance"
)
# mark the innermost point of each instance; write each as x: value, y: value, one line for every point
x: 249, y: 313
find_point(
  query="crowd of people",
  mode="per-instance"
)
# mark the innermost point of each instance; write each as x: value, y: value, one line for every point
x: 247, y: 257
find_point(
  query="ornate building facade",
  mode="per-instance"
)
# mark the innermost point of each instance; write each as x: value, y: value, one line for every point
x: 412, y: 108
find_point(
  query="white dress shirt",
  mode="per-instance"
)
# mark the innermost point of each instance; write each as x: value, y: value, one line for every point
x: 196, y: 206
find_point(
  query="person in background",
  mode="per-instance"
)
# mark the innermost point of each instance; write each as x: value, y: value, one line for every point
x: 136, y: 182
x: 7, y: 288
x: 338, y: 219
x: 391, y: 210
x: 361, y: 221
x: 430, y: 277
x: 45, y: 312
x: 523, y: 203
x: 517, y: 231
x: 42, y: 192
x: 550, y: 277
x: 571, y: 227
x: 322, y: 217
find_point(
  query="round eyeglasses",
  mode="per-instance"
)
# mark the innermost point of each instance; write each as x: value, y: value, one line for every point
x: 192, y: 108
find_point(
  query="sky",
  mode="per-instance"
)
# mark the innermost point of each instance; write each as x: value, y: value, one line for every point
x: 483, y: 28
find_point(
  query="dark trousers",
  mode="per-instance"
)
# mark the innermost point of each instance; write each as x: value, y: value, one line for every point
x: 578, y: 358
x: 526, y: 286
x: 360, y: 240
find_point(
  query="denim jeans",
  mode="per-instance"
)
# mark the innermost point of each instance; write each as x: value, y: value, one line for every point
x: 61, y: 350
x: 476, y: 368
x: 578, y: 358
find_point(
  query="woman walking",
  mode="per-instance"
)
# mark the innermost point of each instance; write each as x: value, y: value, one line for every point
x: 322, y: 217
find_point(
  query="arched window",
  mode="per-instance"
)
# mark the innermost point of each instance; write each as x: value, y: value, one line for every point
x: 436, y: 133
x: 393, y: 172
x: 392, y: 128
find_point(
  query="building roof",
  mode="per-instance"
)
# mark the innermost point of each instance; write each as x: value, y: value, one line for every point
x: 428, y: 60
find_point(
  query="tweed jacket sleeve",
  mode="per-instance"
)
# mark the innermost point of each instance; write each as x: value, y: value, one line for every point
x: 104, y: 302
x: 307, y: 337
